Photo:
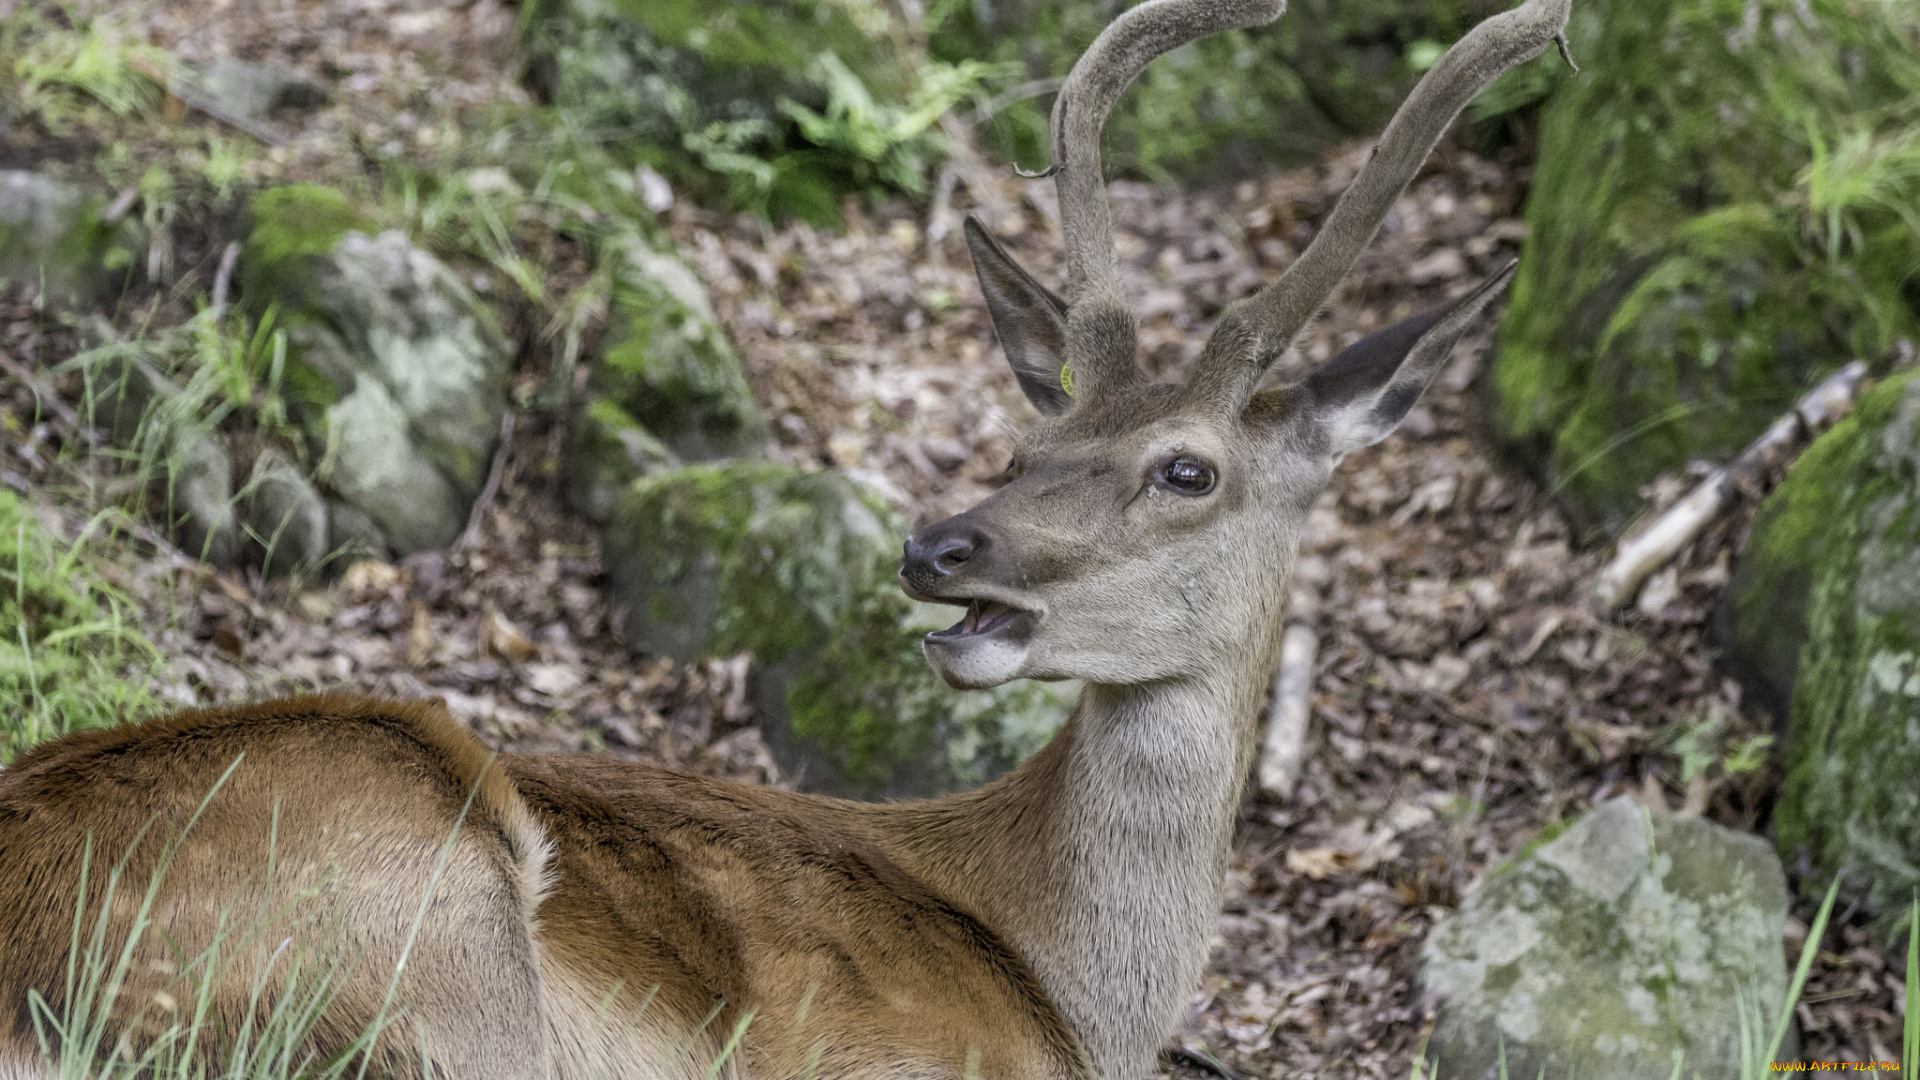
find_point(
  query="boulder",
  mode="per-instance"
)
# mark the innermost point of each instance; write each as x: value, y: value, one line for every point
x: 798, y: 568
x: 400, y: 372
x: 1630, y: 938
x: 145, y: 414
x: 1821, y: 622
x: 1705, y: 234
x: 285, y: 516
x: 247, y: 92
x: 665, y: 386
x: 199, y: 494
x: 51, y: 238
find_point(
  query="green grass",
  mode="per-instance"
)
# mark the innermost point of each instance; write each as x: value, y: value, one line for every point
x: 72, y: 654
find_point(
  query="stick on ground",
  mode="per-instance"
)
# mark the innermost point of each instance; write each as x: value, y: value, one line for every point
x: 1647, y: 551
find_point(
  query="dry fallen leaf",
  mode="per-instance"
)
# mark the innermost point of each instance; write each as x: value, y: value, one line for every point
x: 503, y: 639
x: 369, y: 575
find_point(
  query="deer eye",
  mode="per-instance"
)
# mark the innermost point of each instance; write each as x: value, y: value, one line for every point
x: 1187, y: 475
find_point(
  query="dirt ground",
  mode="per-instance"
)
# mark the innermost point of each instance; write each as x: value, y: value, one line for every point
x: 1466, y: 694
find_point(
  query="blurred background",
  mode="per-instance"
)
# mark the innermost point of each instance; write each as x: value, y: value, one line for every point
x: 584, y: 362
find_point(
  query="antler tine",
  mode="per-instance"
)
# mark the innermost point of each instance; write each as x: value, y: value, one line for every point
x: 1255, y: 331
x: 1115, y: 58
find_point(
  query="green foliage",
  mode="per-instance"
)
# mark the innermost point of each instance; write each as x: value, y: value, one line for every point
x: 1721, y: 215
x: 61, y: 74
x: 72, y: 655
x: 777, y: 106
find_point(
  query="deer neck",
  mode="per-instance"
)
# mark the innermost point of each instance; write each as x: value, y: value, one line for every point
x: 1101, y: 860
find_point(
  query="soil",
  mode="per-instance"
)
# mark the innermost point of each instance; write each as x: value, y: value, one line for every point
x: 1467, y: 693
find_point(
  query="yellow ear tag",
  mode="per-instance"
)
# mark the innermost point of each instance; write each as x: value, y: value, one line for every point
x: 1066, y: 378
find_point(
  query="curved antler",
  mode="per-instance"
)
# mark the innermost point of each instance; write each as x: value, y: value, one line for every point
x: 1256, y: 330
x: 1100, y: 333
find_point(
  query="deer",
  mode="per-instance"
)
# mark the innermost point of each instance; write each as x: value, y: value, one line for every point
x: 569, y: 916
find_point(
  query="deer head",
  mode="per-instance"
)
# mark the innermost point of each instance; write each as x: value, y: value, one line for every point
x: 1149, y: 530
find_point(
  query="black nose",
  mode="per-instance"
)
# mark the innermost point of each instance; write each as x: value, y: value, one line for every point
x: 940, y: 550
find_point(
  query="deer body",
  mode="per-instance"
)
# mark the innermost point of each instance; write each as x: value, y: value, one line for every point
x: 569, y: 917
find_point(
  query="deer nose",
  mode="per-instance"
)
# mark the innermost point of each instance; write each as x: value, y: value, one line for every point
x: 940, y: 552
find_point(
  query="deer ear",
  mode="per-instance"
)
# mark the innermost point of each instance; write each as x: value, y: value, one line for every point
x: 1030, y: 321
x: 1363, y: 393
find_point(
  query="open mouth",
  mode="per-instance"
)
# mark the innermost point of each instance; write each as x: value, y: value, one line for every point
x: 983, y: 617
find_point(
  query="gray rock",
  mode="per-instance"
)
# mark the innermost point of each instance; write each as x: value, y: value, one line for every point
x: 665, y: 361
x: 51, y: 237
x: 199, y: 495
x: 416, y: 370
x: 249, y: 92
x: 144, y: 413
x: 1632, y: 937
x: 798, y: 569
x: 607, y: 449
x: 355, y: 535
x: 285, y: 515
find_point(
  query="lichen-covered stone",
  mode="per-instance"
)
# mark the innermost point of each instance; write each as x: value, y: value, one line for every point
x: 285, y: 517
x: 399, y: 370
x: 798, y: 568
x: 1705, y: 234
x: 1823, y: 615
x: 51, y: 238
x: 246, y: 91
x: 1632, y: 936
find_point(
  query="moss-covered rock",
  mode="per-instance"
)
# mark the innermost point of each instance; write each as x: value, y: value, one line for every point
x: 1718, y: 219
x: 1632, y: 936
x: 1824, y: 614
x: 1326, y: 71
x: 665, y: 386
x: 798, y: 569
x: 399, y: 370
x: 51, y: 238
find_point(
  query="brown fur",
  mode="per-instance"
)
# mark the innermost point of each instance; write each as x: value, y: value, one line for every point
x: 670, y: 896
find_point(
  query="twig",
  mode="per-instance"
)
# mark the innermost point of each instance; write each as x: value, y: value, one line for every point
x: 223, y: 278
x: 1640, y: 555
x: 471, y: 534
x: 1286, y: 741
x: 45, y: 396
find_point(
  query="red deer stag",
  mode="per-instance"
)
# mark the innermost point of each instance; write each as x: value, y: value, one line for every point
x: 563, y: 916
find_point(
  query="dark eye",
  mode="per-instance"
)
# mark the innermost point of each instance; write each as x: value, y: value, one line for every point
x: 1187, y: 475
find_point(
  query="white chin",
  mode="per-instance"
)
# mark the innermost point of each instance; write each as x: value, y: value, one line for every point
x: 975, y: 663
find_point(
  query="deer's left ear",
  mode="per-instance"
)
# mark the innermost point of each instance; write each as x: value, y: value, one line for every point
x: 1363, y: 393
x: 1030, y: 320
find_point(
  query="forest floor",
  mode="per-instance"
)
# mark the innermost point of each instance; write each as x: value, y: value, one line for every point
x: 1468, y: 695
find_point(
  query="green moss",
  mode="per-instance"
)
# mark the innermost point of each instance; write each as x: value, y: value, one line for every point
x: 1829, y: 592
x: 71, y: 651
x: 798, y: 569
x: 300, y: 219
x: 1675, y: 293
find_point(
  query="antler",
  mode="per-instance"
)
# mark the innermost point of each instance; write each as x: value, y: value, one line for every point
x: 1255, y: 331
x: 1100, y: 328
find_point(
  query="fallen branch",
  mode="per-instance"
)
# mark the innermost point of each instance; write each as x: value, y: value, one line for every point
x: 1285, y: 747
x: 1647, y: 551
x: 471, y: 533
x: 223, y: 278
